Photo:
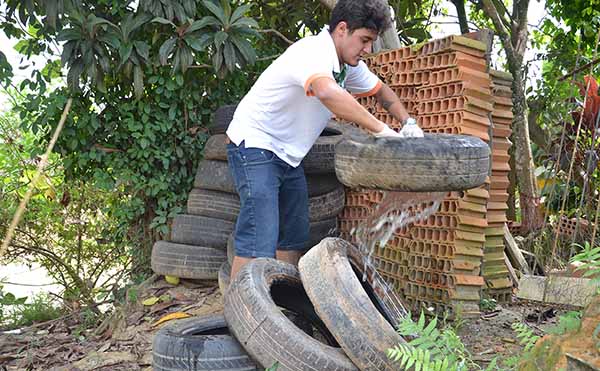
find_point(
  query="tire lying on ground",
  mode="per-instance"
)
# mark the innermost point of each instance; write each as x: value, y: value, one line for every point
x: 199, y: 343
x: 223, y: 116
x: 253, y: 316
x: 440, y: 162
x: 186, y: 261
x: 360, y: 322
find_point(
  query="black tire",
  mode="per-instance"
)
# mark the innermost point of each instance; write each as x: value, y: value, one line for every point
x: 326, y: 206
x: 223, y: 116
x: 224, y: 277
x: 320, y: 230
x: 215, y: 204
x: 319, y: 184
x: 360, y: 324
x: 215, y: 148
x: 215, y: 176
x: 199, y: 343
x: 186, y: 261
x: 201, y: 231
x: 253, y: 316
x: 320, y: 158
x: 439, y: 162
x: 226, y: 206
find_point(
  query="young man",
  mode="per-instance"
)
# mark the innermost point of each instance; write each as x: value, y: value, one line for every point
x: 278, y: 121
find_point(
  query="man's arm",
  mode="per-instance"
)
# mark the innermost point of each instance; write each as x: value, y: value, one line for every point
x: 391, y: 103
x: 343, y: 104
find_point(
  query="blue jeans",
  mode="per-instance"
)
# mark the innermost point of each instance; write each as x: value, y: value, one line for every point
x: 273, y: 203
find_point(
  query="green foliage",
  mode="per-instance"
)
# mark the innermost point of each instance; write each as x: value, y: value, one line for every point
x: 274, y: 367
x: 68, y: 228
x: 86, y: 52
x: 5, y: 70
x: 413, y: 17
x: 223, y: 34
x: 590, y: 257
x: 488, y: 305
x: 568, y: 322
x: 16, y: 312
x: 525, y: 335
x: 431, y: 349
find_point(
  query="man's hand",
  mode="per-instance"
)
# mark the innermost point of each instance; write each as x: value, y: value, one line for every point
x: 411, y: 129
x: 387, y: 133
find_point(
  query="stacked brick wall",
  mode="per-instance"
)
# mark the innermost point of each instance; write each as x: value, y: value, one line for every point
x: 437, y: 262
x: 495, y: 272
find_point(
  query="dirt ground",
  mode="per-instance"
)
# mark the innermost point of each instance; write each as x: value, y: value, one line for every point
x: 125, y: 341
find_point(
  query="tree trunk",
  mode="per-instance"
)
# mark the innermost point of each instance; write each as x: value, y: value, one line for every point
x: 462, y: 15
x: 531, y: 215
x: 388, y: 40
x: 513, y: 33
x: 511, y: 213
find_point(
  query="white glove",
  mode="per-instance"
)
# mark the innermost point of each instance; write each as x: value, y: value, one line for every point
x: 387, y: 133
x: 411, y: 129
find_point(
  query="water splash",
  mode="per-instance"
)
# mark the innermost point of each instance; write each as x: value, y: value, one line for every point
x: 395, y: 212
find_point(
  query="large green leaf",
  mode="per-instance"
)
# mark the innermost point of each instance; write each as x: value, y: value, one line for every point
x: 220, y: 38
x: 142, y: 49
x: 217, y: 11
x: 205, y: 21
x: 198, y: 43
x: 69, y: 34
x: 165, y: 50
x: 229, y: 56
x: 245, y: 49
x: 162, y: 20
x: 138, y: 81
x: 239, y: 12
x: 249, y: 22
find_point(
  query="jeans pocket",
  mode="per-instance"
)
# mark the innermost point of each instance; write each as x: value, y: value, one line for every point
x: 255, y: 156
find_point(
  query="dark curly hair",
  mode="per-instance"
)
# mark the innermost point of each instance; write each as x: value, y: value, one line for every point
x: 371, y: 14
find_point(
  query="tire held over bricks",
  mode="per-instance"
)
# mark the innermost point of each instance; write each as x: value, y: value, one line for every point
x: 440, y: 162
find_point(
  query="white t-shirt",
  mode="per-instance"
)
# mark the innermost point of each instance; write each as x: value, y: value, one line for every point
x: 280, y: 113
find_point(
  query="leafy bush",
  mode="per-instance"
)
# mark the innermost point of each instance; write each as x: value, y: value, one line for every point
x: 16, y: 312
x: 432, y: 349
x: 590, y: 257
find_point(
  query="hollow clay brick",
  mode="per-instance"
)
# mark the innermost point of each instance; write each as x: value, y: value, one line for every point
x: 454, y: 43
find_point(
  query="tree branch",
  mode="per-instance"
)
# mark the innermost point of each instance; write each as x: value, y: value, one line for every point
x: 462, y: 15
x: 577, y: 70
x: 270, y: 30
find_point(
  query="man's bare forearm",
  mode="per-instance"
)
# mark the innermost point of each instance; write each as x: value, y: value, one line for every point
x: 344, y: 106
x: 391, y: 103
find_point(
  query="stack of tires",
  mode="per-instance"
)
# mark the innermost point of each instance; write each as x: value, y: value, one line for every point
x: 201, y: 245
